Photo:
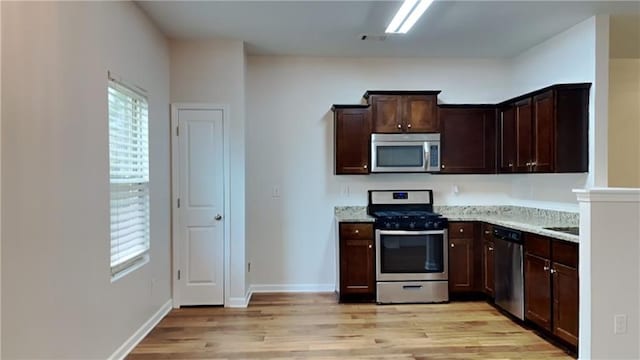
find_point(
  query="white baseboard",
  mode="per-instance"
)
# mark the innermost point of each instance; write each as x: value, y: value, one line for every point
x: 288, y: 288
x: 240, y: 302
x: 131, y: 342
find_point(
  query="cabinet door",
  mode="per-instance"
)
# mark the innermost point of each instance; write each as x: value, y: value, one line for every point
x: 387, y: 113
x: 357, y: 268
x: 468, y: 140
x: 420, y: 113
x: 537, y: 290
x: 543, y: 132
x: 488, y: 267
x: 461, y: 261
x: 507, y: 140
x: 523, y: 136
x: 565, y: 303
x: 353, y: 132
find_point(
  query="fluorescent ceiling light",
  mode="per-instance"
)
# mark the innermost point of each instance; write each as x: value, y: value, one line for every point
x: 407, y: 16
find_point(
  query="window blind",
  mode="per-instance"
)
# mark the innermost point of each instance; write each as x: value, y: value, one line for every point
x: 128, y: 176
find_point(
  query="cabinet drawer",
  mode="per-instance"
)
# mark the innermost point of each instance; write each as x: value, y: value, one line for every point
x: 460, y: 230
x: 538, y: 245
x: 356, y: 231
x: 565, y: 253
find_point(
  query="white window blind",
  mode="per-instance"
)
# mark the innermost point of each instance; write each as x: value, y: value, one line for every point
x: 128, y: 176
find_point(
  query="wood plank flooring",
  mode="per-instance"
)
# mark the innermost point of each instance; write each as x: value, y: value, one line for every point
x: 315, y: 326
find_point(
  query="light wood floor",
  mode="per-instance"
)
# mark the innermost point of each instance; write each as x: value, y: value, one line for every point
x: 304, y: 326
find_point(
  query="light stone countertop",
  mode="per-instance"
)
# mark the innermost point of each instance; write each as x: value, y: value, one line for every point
x: 515, y: 217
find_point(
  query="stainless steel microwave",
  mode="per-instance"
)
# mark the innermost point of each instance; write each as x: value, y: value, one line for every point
x: 405, y: 153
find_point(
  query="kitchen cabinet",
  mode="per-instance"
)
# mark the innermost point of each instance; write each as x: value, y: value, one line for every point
x: 551, y: 286
x: 488, y: 260
x: 545, y: 131
x: 462, y: 259
x: 468, y: 139
x: 352, y: 125
x: 357, y: 262
x: 403, y: 111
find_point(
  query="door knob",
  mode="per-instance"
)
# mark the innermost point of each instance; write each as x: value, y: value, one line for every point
x: 218, y: 217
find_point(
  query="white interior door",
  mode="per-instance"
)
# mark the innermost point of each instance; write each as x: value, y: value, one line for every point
x: 200, y: 223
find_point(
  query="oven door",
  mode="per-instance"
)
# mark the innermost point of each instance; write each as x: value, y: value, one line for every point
x: 411, y: 255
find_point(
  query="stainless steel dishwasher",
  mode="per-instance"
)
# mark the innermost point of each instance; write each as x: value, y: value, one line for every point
x: 508, y: 274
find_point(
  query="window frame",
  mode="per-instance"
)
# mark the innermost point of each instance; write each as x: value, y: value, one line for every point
x: 129, y: 178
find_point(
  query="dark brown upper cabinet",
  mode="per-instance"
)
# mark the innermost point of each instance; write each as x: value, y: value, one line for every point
x: 545, y: 131
x: 468, y: 139
x: 352, y: 124
x: 403, y: 111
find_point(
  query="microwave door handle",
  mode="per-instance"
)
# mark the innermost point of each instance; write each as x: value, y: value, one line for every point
x: 426, y: 155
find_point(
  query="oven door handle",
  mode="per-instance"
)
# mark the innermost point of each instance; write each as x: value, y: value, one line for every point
x: 411, y: 232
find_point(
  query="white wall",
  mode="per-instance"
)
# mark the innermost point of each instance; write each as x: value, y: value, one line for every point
x: 212, y: 71
x: 290, y: 146
x: 568, y: 57
x: 609, y: 272
x: 57, y: 297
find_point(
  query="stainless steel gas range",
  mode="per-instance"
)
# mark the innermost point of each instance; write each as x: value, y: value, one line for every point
x: 411, y: 247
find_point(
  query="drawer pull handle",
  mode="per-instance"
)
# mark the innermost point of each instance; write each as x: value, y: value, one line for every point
x: 546, y: 268
x: 410, y: 287
x: 487, y: 232
x: 461, y: 230
x: 453, y: 245
x: 357, y: 231
x: 370, y: 246
x: 490, y: 249
x: 553, y: 271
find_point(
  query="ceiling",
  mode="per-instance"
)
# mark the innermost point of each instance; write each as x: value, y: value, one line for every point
x: 334, y: 28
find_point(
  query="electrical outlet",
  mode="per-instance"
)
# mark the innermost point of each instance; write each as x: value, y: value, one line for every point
x: 620, y: 324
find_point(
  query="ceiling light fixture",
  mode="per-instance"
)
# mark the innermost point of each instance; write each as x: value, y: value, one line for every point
x: 407, y: 16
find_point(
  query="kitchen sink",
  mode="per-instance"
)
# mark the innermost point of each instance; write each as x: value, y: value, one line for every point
x: 572, y: 230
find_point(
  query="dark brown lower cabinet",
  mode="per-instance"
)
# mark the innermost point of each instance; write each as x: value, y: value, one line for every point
x: 565, y: 303
x: 462, y: 258
x: 537, y: 291
x: 357, y: 262
x: 487, y: 267
x: 552, y: 287
x: 488, y: 260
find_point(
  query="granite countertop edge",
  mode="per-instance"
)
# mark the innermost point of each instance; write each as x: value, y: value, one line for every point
x: 359, y: 214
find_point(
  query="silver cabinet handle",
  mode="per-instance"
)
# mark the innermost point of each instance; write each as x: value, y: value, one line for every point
x: 461, y: 230
x: 545, y: 268
x: 453, y: 245
x: 357, y: 231
x: 534, y: 163
x: 364, y: 166
x: 370, y: 246
x: 553, y: 271
x: 487, y: 232
x: 528, y: 164
x: 408, y: 126
x: 442, y: 166
x: 399, y: 126
x: 218, y: 217
x: 510, y: 164
x: 490, y: 248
